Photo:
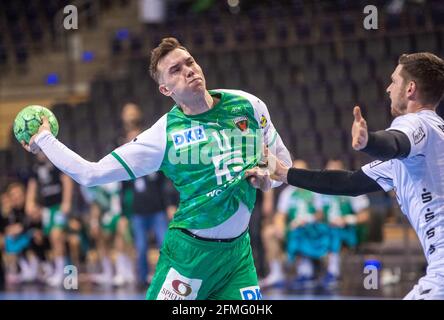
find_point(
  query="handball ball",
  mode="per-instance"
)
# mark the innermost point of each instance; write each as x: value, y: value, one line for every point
x: 28, y: 121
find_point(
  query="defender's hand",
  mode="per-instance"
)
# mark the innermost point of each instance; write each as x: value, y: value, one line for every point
x: 278, y: 170
x: 259, y: 178
x: 359, y: 130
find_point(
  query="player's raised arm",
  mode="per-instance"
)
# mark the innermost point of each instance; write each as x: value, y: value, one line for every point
x: 359, y: 130
x: 383, y: 144
x: 139, y: 157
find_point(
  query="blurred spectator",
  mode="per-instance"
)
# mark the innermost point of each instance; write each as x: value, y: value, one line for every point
x: 50, y: 191
x: 296, y: 212
x: 110, y: 231
x: 147, y: 199
x: 132, y: 120
x: 77, y: 240
x: 16, y: 238
x: 261, y: 216
x: 24, y: 241
x: 343, y: 215
x: 145, y: 215
x: 5, y: 207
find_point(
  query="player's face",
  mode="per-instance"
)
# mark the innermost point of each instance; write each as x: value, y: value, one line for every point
x: 131, y: 113
x: 17, y: 196
x: 397, y: 91
x: 180, y: 76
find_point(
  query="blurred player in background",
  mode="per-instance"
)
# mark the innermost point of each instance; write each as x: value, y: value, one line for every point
x: 286, y: 238
x: 110, y: 231
x: 50, y: 192
x: 5, y: 205
x: 201, y: 145
x: 146, y: 200
x: 25, y: 244
x: 411, y: 161
x: 16, y: 237
x: 343, y: 215
x: 261, y: 217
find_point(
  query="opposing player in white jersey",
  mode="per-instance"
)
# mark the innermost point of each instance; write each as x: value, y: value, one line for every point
x: 411, y: 161
x: 204, y: 145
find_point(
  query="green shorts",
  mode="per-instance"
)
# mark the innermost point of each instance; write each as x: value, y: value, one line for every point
x: 109, y: 222
x: 53, y: 218
x: 194, y: 269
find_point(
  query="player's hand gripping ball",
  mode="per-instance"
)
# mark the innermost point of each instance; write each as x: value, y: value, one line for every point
x: 28, y: 121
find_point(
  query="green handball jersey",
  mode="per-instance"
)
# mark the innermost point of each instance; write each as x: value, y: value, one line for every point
x: 206, y: 155
x: 346, y: 208
x: 341, y: 206
x: 298, y: 204
x: 107, y: 197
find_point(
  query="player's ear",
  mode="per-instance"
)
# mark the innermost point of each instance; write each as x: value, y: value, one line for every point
x: 411, y: 89
x: 164, y: 90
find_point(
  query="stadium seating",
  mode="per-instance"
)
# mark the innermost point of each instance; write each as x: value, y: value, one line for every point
x: 309, y: 71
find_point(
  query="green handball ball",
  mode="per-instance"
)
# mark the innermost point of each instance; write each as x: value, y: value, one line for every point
x: 28, y: 121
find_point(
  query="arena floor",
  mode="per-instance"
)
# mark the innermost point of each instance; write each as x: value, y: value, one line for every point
x: 89, y: 292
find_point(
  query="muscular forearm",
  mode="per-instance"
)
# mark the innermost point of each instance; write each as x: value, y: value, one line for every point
x: 386, y: 145
x: 82, y: 171
x: 335, y: 182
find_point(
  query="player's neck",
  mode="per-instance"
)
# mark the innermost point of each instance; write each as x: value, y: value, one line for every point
x: 198, y: 104
x: 414, y: 106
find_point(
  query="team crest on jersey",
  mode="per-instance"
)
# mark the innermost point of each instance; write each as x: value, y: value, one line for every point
x: 263, y: 121
x: 188, y: 137
x: 418, y: 135
x: 241, y: 123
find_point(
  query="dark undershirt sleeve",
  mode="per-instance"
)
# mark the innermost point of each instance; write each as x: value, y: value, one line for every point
x: 335, y: 182
x: 386, y: 145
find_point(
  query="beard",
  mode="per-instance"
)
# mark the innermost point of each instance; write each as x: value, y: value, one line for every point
x: 398, y: 110
x: 399, y: 106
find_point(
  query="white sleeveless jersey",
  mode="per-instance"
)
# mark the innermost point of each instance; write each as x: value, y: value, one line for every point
x: 418, y: 180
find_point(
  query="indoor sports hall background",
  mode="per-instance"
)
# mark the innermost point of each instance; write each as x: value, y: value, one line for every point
x: 311, y: 62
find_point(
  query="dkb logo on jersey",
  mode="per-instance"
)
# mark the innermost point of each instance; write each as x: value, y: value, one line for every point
x: 251, y: 293
x: 188, y: 137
